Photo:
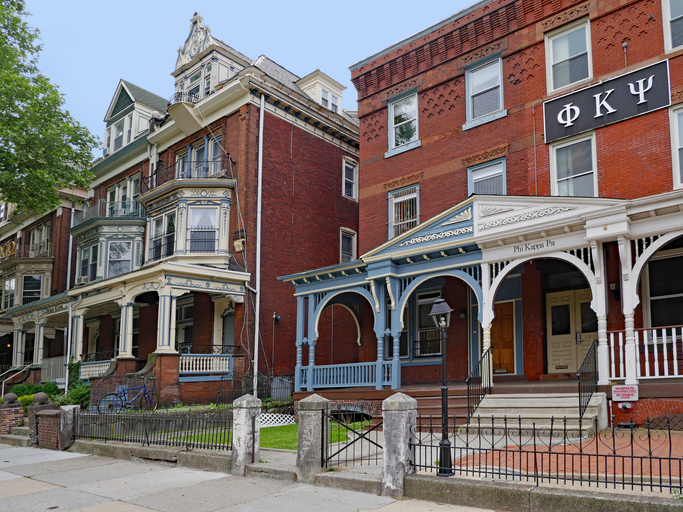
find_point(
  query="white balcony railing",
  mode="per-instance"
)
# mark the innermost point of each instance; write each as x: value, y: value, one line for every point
x: 193, y: 364
x: 658, y: 352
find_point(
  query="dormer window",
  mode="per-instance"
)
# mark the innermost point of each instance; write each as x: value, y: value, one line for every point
x: 195, y: 85
x: 330, y: 101
x: 118, y: 140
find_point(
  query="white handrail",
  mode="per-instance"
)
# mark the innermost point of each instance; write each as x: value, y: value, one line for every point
x: 4, y: 380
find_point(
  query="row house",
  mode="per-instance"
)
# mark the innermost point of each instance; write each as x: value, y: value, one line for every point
x: 521, y: 160
x: 197, y: 204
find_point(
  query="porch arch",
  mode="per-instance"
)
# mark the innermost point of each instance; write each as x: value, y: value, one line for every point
x: 596, y: 305
x: 458, y: 274
x: 642, y: 261
x: 331, y: 295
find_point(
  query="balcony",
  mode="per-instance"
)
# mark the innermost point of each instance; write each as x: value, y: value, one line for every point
x: 183, y: 170
x: 183, y: 97
x: 109, y: 209
x: 12, y: 250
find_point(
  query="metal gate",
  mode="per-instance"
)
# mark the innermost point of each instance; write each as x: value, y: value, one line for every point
x: 345, y: 443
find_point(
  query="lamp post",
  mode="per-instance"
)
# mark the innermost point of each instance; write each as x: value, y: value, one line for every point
x: 441, y: 314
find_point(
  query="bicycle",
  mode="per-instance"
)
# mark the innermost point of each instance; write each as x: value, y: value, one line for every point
x: 114, y: 403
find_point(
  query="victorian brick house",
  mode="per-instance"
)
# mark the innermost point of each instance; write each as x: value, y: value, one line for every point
x: 520, y: 159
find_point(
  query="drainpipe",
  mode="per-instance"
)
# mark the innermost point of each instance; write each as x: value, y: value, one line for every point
x: 67, y: 333
x: 257, y: 311
x: 71, y: 245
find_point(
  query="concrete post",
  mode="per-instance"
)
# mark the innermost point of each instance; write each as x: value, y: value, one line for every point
x: 313, y: 435
x: 246, y: 433
x: 399, y: 413
x: 66, y: 425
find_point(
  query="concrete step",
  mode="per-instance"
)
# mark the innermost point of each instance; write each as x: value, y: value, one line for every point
x: 13, y: 440
x: 20, y: 431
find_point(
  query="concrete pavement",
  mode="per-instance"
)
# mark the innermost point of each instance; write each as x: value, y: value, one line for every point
x: 32, y: 479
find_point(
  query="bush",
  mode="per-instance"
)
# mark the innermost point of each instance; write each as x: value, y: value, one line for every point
x: 50, y: 389
x: 78, y: 395
x: 26, y: 401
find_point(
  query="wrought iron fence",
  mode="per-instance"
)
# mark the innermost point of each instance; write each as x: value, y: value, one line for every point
x: 349, y: 439
x: 587, y: 378
x: 478, y: 383
x: 276, y: 389
x: 109, y: 209
x: 207, y: 430
x: 183, y: 97
x: 207, y: 348
x: 641, y: 459
x: 106, y: 355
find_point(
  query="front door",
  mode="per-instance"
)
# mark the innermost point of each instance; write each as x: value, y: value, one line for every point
x: 572, y: 326
x: 503, y: 338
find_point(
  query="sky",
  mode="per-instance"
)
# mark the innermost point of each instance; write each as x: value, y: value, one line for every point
x: 88, y: 46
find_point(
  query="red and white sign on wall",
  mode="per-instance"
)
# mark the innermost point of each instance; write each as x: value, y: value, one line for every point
x: 625, y: 393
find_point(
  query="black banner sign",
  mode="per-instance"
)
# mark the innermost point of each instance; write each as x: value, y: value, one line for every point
x: 623, y: 97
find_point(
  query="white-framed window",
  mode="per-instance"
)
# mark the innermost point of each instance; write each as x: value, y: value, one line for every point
x: 484, y: 90
x: 672, y: 11
x: 182, y: 166
x: 428, y: 342
x: 107, y: 148
x: 676, y: 122
x: 488, y: 178
x: 573, y: 166
x: 118, y: 135
x: 31, y: 288
x: 350, y: 179
x: 202, y: 230
x: 89, y: 260
x: 568, y: 56
x: 162, y: 243
x: 195, y: 85
x: 329, y: 100
x: 129, y: 122
x: 665, y: 295
x: 3, y: 211
x: 347, y: 245
x: 120, y: 257
x: 215, y: 156
x: 404, y: 210
x: 9, y: 287
x: 184, y: 328
x: 403, y: 122
x: 39, y: 240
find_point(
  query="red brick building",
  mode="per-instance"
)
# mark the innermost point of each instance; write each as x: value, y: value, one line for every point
x: 521, y: 160
x: 198, y: 203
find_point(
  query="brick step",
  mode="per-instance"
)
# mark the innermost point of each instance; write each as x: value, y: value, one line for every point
x: 14, y: 440
x: 20, y: 431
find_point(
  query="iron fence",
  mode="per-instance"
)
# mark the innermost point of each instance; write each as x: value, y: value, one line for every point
x: 478, y: 383
x: 106, y: 355
x: 275, y: 390
x: 641, y: 459
x: 207, y: 348
x: 587, y: 378
x: 349, y: 440
x: 207, y: 430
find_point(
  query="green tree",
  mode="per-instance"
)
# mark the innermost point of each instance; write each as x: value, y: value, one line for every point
x: 41, y: 146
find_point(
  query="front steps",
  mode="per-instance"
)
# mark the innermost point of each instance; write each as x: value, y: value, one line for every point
x: 18, y: 436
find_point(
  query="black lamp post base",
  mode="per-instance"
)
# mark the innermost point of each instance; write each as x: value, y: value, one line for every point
x: 445, y: 463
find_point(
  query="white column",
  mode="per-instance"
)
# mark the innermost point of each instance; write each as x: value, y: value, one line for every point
x: 126, y: 330
x: 603, y: 352
x: 79, y: 324
x: 164, y: 341
x: 630, y: 351
x: 18, y: 346
x: 38, y: 344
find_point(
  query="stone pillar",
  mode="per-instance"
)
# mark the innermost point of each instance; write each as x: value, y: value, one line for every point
x: 399, y: 413
x: 38, y: 344
x: 630, y: 351
x: 246, y: 433
x: 603, y: 352
x: 313, y: 434
x: 18, y: 347
x: 126, y: 330
x: 67, y: 415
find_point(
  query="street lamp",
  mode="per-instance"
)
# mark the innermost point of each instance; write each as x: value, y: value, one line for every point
x: 441, y: 314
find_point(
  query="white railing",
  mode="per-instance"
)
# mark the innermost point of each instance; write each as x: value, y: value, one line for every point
x: 205, y: 363
x: 95, y: 369
x: 658, y: 351
x: 53, y: 369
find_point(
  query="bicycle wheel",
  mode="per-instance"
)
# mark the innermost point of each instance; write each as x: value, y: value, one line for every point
x: 110, y: 404
x: 149, y: 402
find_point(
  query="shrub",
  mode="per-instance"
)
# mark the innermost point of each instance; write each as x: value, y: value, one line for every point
x: 78, y: 395
x: 51, y: 389
x: 26, y: 401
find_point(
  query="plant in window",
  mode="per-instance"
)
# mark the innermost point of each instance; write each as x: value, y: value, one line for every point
x: 405, y: 120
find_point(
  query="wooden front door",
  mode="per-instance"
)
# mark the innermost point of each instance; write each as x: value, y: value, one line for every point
x: 572, y: 326
x: 503, y: 338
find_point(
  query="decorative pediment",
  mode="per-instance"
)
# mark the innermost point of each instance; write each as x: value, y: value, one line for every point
x: 197, y: 41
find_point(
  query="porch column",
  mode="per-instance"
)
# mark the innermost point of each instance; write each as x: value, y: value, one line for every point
x: 165, y: 322
x: 396, y: 363
x: 311, y: 342
x: 603, y: 352
x: 126, y: 330
x: 38, y: 344
x: 486, y: 370
x: 78, y: 325
x: 380, y: 361
x: 630, y: 350
x: 300, y: 319
x: 18, y: 346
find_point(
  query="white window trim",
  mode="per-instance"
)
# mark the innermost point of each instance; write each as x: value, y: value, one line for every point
x: 645, y: 282
x: 390, y: 212
x: 492, y: 116
x: 491, y: 163
x: 354, y: 250
x: 674, y: 112
x: 132, y: 256
x: 553, y: 162
x: 346, y: 160
x: 396, y: 150
x: 549, y: 60
x: 666, y: 15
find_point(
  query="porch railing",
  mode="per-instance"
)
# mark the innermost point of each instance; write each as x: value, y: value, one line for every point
x: 201, y: 348
x: 39, y: 250
x: 105, y: 355
x: 658, y: 352
x: 347, y: 375
x: 478, y: 383
x: 94, y: 369
x: 109, y: 209
x: 183, y: 170
x: 587, y: 378
x: 53, y: 369
x: 192, y: 364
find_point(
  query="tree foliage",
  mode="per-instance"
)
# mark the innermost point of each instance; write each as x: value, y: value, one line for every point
x: 41, y: 146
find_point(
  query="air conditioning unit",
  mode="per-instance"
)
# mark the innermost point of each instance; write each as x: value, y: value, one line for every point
x: 82, y: 280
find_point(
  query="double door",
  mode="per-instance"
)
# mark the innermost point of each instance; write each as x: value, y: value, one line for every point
x: 572, y: 326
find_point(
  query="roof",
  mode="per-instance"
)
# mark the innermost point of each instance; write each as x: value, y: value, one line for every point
x: 148, y: 98
x: 231, y: 49
x: 282, y: 75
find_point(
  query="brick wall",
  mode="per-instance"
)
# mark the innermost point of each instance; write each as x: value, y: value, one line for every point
x: 48, y: 429
x: 202, y: 328
x: 10, y: 416
x: 147, y: 331
x: 647, y: 408
x: 533, y: 344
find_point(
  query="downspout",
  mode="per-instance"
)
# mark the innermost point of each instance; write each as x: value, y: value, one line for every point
x: 533, y: 121
x: 257, y: 312
x: 68, y: 349
x: 71, y: 245
x: 67, y: 334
